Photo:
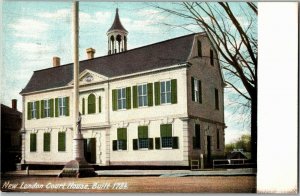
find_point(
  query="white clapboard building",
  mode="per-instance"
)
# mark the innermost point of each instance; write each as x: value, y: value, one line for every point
x: 157, y: 105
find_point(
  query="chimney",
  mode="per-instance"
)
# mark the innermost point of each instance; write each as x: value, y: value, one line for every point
x: 56, y: 61
x: 90, y: 53
x: 14, y: 104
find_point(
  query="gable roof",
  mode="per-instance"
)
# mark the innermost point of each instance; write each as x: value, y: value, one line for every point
x: 154, y: 56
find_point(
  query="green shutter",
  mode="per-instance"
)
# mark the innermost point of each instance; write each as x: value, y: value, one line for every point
x: 114, y: 99
x: 56, y: 107
x: 83, y: 106
x: 37, y: 105
x: 51, y: 108
x: 115, y: 145
x: 42, y: 108
x: 134, y: 144
x: 157, y: 93
x: 200, y: 91
x: 166, y: 130
x: 150, y: 94
x: 134, y: 97
x: 157, y: 143
x: 124, y: 147
x: 174, y: 91
x: 122, y: 133
x: 193, y: 89
x: 46, y: 142
x: 128, y: 97
x: 175, y: 143
x: 99, y: 104
x: 150, y: 143
x: 143, y: 132
x: 61, y: 141
x: 33, y: 142
x: 67, y: 112
x: 91, y: 104
x: 29, y: 110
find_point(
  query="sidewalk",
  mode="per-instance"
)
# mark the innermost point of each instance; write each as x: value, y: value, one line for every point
x: 160, y: 173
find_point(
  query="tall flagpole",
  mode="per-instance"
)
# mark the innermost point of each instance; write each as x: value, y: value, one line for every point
x: 78, y: 167
x: 76, y: 65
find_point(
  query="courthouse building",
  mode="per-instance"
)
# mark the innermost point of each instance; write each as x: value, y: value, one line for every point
x: 157, y: 105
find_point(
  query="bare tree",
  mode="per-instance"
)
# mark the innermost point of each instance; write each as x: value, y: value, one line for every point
x: 232, y: 30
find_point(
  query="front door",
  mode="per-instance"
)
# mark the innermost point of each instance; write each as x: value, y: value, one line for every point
x: 90, y: 150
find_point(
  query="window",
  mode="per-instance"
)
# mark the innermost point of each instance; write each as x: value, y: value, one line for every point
x: 166, y: 135
x: 216, y: 99
x: 199, y: 48
x: 211, y: 57
x: 197, y: 138
x: 218, y: 139
x: 196, y: 90
x: 33, y: 110
x: 91, y: 104
x: 142, y: 95
x: 166, y: 140
x: 121, y: 142
x: 121, y: 98
x: 46, y: 108
x: 143, y: 137
x: 61, y: 141
x: 33, y: 142
x: 165, y: 92
x: 46, y: 142
x: 62, y: 106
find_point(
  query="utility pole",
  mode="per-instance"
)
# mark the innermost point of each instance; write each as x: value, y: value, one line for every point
x: 78, y: 167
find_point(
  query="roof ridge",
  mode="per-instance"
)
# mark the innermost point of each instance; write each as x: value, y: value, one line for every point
x: 172, y: 39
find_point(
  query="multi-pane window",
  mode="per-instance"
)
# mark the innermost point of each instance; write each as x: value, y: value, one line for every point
x: 142, y: 95
x: 143, y: 140
x: 216, y: 99
x: 196, y: 94
x: 121, y: 142
x: 122, y: 98
x: 165, y: 92
x: 196, y: 90
x: 62, y: 106
x: 33, y: 110
x: 166, y: 136
x: 47, y: 108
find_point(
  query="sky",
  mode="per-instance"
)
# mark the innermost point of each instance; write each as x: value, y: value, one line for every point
x: 34, y: 31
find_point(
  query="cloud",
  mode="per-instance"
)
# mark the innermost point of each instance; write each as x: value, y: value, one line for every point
x: 33, y: 47
x: 96, y: 18
x: 59, y: 14
x: 30, y: 28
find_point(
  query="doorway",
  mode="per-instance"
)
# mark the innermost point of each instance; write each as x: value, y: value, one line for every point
x: 209, y: 150
x: 90, y: 150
